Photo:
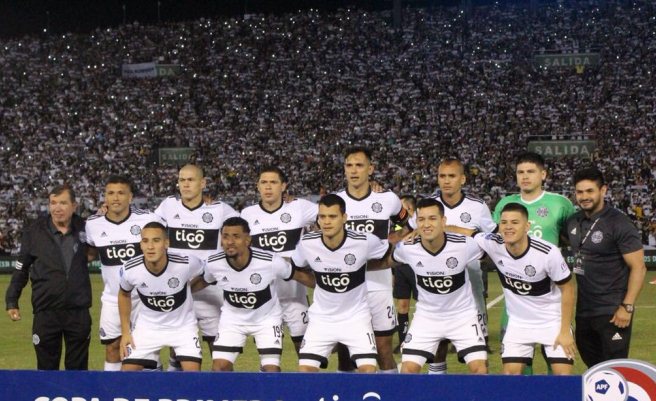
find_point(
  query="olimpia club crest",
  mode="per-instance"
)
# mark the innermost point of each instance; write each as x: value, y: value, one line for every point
x: 465, y: 217
x: 377, y: 207
x: 542, y: 212
x: 207, y: 217
x: 620, y: 380
x: 285, y: 217
x: 135, y: 230
x: 349, y: 259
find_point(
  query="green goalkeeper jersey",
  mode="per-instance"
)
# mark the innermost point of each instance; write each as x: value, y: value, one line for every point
x: 547, y: 214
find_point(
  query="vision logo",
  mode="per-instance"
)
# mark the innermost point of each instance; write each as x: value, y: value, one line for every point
x: 620, y: 380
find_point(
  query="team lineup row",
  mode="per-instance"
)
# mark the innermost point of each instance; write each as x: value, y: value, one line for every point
x: 249, y: 274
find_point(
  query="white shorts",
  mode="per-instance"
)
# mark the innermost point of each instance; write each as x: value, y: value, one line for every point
x: 321, y: 337
x: 295, y: 316
x: 110, y: 321
x: 232, y: 336
x: 426, y: 332
x: 148, y: 342
x: 207, y: 308
x: 519, y: 344
x: 383, y: 312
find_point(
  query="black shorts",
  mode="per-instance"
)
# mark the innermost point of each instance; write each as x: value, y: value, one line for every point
x: 405, y: 284
x: 599, y: 340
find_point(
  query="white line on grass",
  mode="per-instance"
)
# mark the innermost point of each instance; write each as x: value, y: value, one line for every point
x: 495, y: 301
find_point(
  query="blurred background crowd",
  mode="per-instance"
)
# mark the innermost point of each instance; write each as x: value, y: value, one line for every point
x: 297, y: 89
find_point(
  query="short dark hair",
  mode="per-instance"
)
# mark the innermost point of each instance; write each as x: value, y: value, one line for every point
x: 531, y: 157
x: 591, y: 173
x: 157, y: 225
x: 236, y: 222
x: 359, y: 149
x: 515, y: 207
x: 332, y: 200
x: 409, y: 198
x: 60, y: 189
x: 430, y: 202
x: 273, y: 169
x: 120, y: 179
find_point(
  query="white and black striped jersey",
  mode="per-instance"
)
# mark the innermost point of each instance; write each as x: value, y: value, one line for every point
x: 248, y: 294
x: 375, y: 213
x: 166, y: 296
x: 471, y: 212
x: 529, y: 281
x: 116, y: 242
x: 341, y: 292
x: 442, y: 279
x: 279, y: 231
x: 194, y: 231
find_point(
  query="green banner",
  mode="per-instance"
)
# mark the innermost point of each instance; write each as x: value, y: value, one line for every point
x: 175, y: 156
x: 567, y: 60
x: 563, y: 148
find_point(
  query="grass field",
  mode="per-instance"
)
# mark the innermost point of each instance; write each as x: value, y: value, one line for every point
x: 16, y: 350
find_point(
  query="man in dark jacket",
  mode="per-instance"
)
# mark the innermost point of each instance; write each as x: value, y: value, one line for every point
x: 53, y: 255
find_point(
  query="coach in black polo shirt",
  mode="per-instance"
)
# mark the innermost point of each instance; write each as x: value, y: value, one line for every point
x: 609, y: 267
x: 53, y: 256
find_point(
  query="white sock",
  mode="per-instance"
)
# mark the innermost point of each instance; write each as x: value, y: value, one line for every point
x: 174, y: 366
x: 437, y: 368
x: 112, y: 366
x: 389, y: 371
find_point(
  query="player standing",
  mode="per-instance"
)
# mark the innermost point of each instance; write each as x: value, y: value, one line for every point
x: 276, y: 226
x: 539, y: 292
x: 446, y: 309
x: 115, y: 236
x: 194, y: 229
x: 249, y: 278
x: 372, y: 212
x: 547, y: 211
x: 462, y: 211
x: 161, y: 279
x: 340, y: 311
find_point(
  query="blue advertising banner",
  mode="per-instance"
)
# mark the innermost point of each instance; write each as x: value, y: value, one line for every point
x: 205, y: 386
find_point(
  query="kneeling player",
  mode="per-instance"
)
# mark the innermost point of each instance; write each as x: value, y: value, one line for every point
x: 166, y: 318
x: 446, y: 308
x: 539, y: 293
x: 250, y: 306
x: 340, y: 312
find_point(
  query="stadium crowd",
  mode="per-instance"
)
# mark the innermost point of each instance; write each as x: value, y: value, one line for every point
x: 296, y: 89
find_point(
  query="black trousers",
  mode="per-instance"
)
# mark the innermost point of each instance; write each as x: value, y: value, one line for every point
x: 598, y: 340
x: 50, y: 327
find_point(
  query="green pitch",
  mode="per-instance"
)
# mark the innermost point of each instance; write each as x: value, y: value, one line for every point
x: 16, y: 350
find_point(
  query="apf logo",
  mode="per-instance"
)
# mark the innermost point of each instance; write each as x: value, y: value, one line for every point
x: 620, y: 380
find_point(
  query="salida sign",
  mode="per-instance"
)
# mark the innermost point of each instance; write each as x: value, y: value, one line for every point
x: 563, y: 148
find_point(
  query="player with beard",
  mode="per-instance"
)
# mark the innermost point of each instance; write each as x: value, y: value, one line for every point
x: 610, y: 271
